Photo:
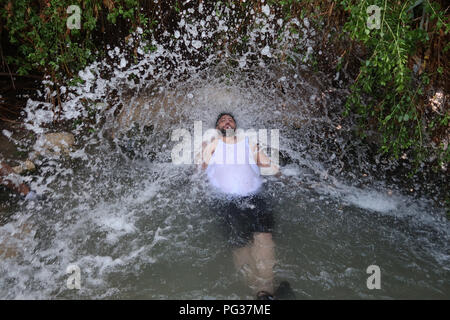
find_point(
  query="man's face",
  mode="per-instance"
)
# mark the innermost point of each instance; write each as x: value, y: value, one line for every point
x: 225, y: 123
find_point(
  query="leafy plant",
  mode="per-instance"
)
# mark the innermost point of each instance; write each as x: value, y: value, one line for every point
x: 386, y: 77
x: 43, y: 43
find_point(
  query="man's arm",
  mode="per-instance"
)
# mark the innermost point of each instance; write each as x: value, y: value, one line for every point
x: 263, y: 161
x: 206, y: 153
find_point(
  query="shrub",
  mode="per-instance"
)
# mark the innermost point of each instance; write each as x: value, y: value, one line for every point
x: 389, y: 92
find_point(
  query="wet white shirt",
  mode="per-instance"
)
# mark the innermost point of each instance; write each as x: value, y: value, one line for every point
x: 233, y: 170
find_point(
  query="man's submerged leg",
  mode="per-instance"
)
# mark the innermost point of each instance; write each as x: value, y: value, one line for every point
x: 256, y: 261
x: 245, y: 264
x: 263, y: 253
x: 250, y: 230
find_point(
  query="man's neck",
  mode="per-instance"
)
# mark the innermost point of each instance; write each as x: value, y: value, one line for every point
x: 229, y: 139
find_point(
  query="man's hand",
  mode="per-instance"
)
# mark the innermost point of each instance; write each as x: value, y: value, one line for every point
x: 206, y: 153
x: 263, y: 161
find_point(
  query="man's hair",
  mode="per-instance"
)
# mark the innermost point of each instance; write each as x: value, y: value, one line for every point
x: 224, y: 114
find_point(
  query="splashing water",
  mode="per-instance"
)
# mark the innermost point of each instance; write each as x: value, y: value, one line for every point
x: 139, y: 226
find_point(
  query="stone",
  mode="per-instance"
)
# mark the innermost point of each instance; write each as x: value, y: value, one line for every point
x: 54, y: 143
x: 13, y: 244
x: 23, y: 167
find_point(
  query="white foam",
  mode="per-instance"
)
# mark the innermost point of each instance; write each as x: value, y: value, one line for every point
x: 373, y: 200
x: 7, y: 133
x: 290, y: 170
x: 266, y: 10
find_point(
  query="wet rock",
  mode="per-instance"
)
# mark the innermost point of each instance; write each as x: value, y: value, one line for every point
x: 54, y: 143
x: 8, y: 149
x: 284, y: 159
x: 24, y: 166
x: 13, y: 244
x: 143, y: 111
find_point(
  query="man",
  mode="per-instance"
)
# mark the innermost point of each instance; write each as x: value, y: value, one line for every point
x: 237, y: 186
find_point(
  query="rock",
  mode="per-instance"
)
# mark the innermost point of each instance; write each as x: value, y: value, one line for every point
x: 25, y: 166
x: 13, y: 244
x: 8, y: 150
x: 144, y: 110
x: 54, y: 143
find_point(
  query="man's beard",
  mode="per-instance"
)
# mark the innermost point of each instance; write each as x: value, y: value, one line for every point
x: 228, y: 132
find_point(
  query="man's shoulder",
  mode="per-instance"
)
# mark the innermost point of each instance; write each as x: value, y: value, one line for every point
x: 210, y: 143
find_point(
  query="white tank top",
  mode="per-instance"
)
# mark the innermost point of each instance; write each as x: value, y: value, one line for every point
x: 233, y: 170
